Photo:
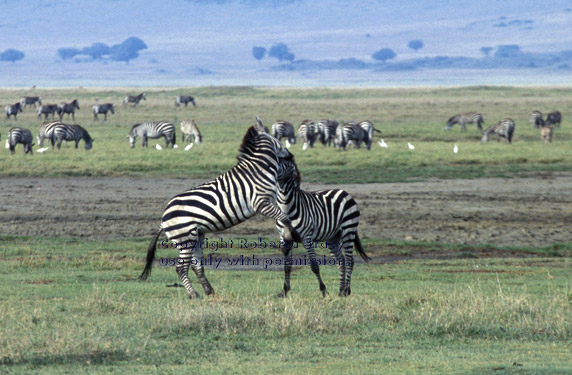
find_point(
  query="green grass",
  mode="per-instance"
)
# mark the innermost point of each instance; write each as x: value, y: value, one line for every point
x: 74, y: 306
x: 224, y: 113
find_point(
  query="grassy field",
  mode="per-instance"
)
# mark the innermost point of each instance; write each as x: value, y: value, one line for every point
x: 224, y: 113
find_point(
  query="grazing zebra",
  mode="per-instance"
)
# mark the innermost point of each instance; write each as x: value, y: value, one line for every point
x: 134, y: 99
x: 466, y: 118
x: 504, y: 128
x: 153, y: 130
x: 13, y: 109
x: 30, y: 100
x: 307, y: 133
x: 330, y: 216
x: 68, y: 108
x: 65, y: 132
x: 47, y: 132
x: 281, y: 129
x: 23, y: 136
x: 369, y: 129
x: 326, y: 129
x: 46, y: 110
x: 350, y: 131
x: 190, y: 128
x: 102, y: 108
x: 536, y: 119
x: 546, y: 133
x: 184, y: 99
x: 554, y: 118
x: 249, y: 188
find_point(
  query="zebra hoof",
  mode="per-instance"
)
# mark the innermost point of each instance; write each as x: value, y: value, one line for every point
x: 194, y: 295
x: 282, y: 294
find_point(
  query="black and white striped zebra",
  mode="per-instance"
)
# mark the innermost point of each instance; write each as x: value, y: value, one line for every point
x: 102, y: 108
x: 30, y: 100
x: 466, y: 118
x: 153, y: 130
x: 12, y: 110
x: 554, y: 118
x: 284, y: 129
x: 307, y: 133
x: 129, y: 99
x: 68, y: 108
x: 47, y: 132
x: 504, y: 128
x: 330, y: 216
x: 46, y: 110
x: 326, y: 130
x: 350, y: 131
x: 190, y: 129
x: 65, y: 132
x: 249, y: 188
x: 185, y: 99
x: 536, y: 119
x: 368, y: 127
x: 23, y: 136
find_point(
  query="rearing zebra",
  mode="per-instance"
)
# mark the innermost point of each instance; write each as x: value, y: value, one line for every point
x: 504, y: 128
x: 134, y: 99
x: 12, y: 110
x: 153, y: 130
x: 249, y: 188
x: 65, y: 132
x: 281, y: 129
x: 23, y: 136
x: 466, y: 118
x: 190, y: 128
x: 330, y: 216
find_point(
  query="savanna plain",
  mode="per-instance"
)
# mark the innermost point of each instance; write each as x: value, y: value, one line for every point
x: 471, y: 250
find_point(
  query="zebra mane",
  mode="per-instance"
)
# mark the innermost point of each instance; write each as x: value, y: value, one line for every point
x: 249, y: 144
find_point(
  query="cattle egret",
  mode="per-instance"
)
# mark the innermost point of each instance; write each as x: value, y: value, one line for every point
x: 40, y: 150
x: 158, y: 147
x: 288, y: 144
x: 189, y: 147
x: 382, y: 143
x: 175, y: 146
x: 304, y: 147
x: 411, y: 147
x: 455, y: 149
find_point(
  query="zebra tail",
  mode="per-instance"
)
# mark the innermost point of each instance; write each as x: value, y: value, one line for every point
x: 150, y: 256
x: 375, y: 130
x: 360, y: 250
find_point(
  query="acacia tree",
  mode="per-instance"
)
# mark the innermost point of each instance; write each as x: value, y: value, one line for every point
x: 415, y: 44
x: 12, y: 55
x: 258, y: 52
x: 383, y: 54
x: 281, y: 52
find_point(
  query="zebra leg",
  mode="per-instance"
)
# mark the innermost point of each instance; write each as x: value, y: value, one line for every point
x: 271, y: 210
x: 315, y: 266
x: 197, y: 266
x: 185, y: 258
x: 336, y: 252
x: 287, y: 251
x: 349, y: 264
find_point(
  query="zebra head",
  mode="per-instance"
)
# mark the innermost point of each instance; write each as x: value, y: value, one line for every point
x: 133, y: 135
x: 111, y: 108
x: 259, y: 144
x: 486, y: 135
x: 288, y: 173
x: 452, y: 121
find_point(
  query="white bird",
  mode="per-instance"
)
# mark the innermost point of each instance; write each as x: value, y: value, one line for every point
x: 7, y: 144
x: 411, y: 147
x: 455, y: 149
x: 40, y: 150
x: 175, y: 146
x: 304, y: 147
x: 158, y: 147
x: 189, y: 147
x: 288, y: 144
x: 382, y: 143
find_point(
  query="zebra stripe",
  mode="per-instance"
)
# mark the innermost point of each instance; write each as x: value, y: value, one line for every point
x: 284, y: 129
x: 68, y: 108
x: 369, y: 129
x: 190, y: 128
x: 102, y: 108
x: 536, y: 119
x: 466, y: 118
x: 30, y: 100
x: 184, y: 99
x: 65, y: 132
x: 47, y: 132
x: 326, y: 130
x: 134, y: 99
x: 504, y: 128
x: 12, y: 110
x: 23, y: 136
x: 330, y: 216
x: 249, y: 188
x: 307, y: 133
x: 153, y: 130
x: 350, y: 131
x: 46, y: 110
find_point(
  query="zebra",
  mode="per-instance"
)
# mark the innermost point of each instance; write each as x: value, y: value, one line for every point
x: 330, y: 216
x: 68, y: 108
x: 504, y: 128
x: 281, y: 129
x: 23, y: 136
x: 46, y: 110
x: 466, y: 118
x: 249, y: 188
x: 350, y: 131
x: 102, y: 108
x: 153, y: 130
x: 134, y: 99
x: 326, y: 130
x: 47, y: 132
x: 369, y: 129
x: 30, y: 100
x: 184, y: 99
x: 536, y: 119
x: 190, y: 128
x: 65, y: 132
x: 307, y: 133
x: 12, y: 110
x: 554, y: 118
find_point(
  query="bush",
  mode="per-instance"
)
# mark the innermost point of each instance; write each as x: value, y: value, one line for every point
x: 384, y: 54
x: 12, y: 55
x: 281, y: 52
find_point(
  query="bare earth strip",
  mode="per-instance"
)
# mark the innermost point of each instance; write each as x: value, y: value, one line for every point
x: 531, y: 211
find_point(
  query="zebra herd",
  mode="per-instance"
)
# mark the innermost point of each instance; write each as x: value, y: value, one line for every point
x: 264, y: 181
x: 56, y: 132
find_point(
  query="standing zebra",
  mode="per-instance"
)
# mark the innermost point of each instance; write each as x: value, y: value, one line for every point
x: 504, y: 128
x: 153, y: 130
x: 68, y: 108
x: 330, y: 216
x: 185, y: 100
x: 369, y: 129
x: 249, y: 188
x: 23, y: 136
x: 47, y: 132
x: 554, y: 118
x: 326, y: 129
x: 13, y: 109
x: 30, y: 100
x: 102, y: 108
x: 536, y: 119
x: 282, y: 129
x: 307, y: 133
x: 65, y: 132
x: 46, y: 110
x: 466, y: 118
x: 134, y: 99
x: 190, y: 128
x: 350, y: 131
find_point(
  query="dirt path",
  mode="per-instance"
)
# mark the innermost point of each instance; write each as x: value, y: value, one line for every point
x: 529, y: 211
